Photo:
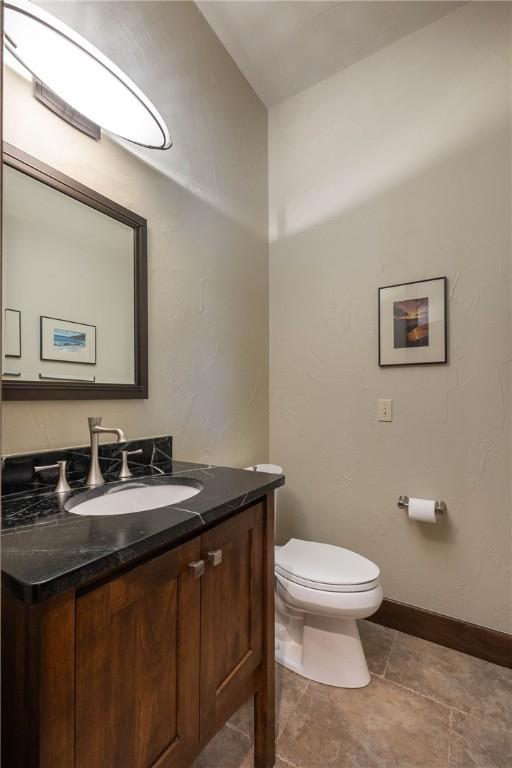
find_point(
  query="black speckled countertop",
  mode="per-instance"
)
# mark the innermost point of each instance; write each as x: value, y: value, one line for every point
x: 47, y: 550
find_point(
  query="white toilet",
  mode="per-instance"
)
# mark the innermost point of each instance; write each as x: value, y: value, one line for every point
x: 320, y: 592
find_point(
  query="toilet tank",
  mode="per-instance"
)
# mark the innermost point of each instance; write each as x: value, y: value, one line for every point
x: 272, y: 469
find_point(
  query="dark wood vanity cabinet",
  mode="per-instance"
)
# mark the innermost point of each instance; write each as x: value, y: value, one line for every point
x: 231, y: 616
x: 137, y: 677
x: 141, y: 670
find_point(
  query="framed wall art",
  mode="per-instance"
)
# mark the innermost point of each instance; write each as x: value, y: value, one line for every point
x: 413, y: 323
x: 66, y: 341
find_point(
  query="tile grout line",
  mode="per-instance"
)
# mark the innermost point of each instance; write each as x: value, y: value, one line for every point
x: 447, y: 706
x: 282, y: 725
x: 432, y: 698
x: 236, y: 729
x: 286, y: 761
x: 391, y: 647
x: 421, y: 695
x: 450, y: 732
x: 499, y: 726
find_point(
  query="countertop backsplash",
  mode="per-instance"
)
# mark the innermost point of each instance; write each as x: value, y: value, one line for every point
x: 18, y: 476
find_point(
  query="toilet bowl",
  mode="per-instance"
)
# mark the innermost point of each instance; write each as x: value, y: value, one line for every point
x: 321, y: 590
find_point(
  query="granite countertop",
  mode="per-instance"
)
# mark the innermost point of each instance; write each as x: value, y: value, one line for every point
x: 47, y: 550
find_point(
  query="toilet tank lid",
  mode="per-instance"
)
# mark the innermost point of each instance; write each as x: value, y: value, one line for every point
x: 324, y: 563
x: 272, y: 469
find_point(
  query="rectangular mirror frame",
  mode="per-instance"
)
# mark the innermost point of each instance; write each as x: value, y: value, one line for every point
x: 67, y: 390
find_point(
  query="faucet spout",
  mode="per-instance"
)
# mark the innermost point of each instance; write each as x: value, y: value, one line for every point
x: 121, y: 436
x: 95, y: 476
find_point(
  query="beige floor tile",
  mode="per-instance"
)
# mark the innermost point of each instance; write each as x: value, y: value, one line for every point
x: 456, y: 679
x: 399, y: 721
x: 243, y: 719
x: 289, y: 689
x: 227, y: 749
x: 377, y: 642
x: 477, y: 744
x: 380, y: 726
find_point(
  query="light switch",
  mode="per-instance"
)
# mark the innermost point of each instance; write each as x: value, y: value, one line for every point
x: 384, y: 410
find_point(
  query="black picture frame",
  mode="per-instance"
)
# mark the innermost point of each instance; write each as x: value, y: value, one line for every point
x: 69, y: 322
x: 444, y: 358
x: 76, y: 390
x: 17, y: 311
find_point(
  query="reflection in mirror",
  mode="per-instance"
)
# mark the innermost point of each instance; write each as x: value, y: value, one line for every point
x: 70, y: 293
x: 69, y: 273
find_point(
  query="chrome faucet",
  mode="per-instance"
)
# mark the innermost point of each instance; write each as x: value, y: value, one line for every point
x: 95, y: 430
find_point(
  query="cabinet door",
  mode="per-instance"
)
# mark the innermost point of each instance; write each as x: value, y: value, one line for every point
x: 231, y: 616
x: 137, y: 679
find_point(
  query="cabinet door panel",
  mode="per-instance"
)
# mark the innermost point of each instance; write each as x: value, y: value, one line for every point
x: 137, y: 678
x: 231, y: 615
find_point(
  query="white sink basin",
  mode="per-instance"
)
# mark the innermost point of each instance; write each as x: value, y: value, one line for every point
x: 131, y: 497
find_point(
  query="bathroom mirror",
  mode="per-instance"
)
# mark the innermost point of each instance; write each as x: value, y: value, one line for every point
x: 74, y: 293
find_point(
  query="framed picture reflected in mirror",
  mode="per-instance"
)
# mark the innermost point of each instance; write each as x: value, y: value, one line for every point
x: 66, y: 341
x: 12, y: 333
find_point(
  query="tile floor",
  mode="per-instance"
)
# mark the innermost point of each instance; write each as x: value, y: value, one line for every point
x: 426, y: 707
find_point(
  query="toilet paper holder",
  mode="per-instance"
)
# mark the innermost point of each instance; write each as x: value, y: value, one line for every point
x: 440, y: 506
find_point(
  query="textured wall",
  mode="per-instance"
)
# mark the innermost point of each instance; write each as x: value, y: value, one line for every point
x: 206, y: 205
x: 398, y: 168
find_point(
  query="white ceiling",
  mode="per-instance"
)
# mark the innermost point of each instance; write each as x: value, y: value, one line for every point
x: 284, y: 46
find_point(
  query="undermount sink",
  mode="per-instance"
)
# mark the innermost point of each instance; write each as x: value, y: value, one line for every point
x: 138, y: 496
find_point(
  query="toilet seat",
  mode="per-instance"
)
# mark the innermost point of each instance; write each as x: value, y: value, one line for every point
x: 325, y: 567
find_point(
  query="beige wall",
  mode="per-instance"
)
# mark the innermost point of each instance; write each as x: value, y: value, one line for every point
x: 206, y: 205
x: 396, y: 169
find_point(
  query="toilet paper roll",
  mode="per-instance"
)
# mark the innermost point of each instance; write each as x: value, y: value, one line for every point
x: 423, y: 510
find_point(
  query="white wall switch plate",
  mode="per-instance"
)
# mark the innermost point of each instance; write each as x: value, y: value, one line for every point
x: 384, y: 410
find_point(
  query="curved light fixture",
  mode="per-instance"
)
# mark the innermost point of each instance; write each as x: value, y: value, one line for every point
x: 81, y: 75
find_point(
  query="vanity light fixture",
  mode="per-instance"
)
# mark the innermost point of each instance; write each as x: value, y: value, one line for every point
x: 83, y: 80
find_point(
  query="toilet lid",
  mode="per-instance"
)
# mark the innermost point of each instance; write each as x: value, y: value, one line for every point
x: 323, y: 566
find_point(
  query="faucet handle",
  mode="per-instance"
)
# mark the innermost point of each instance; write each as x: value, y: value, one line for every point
x: 62, y: 483
x: 94, y: 421
x: 125, y: 469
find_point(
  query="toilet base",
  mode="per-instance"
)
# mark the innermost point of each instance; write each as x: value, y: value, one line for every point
x: 322, y: 648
